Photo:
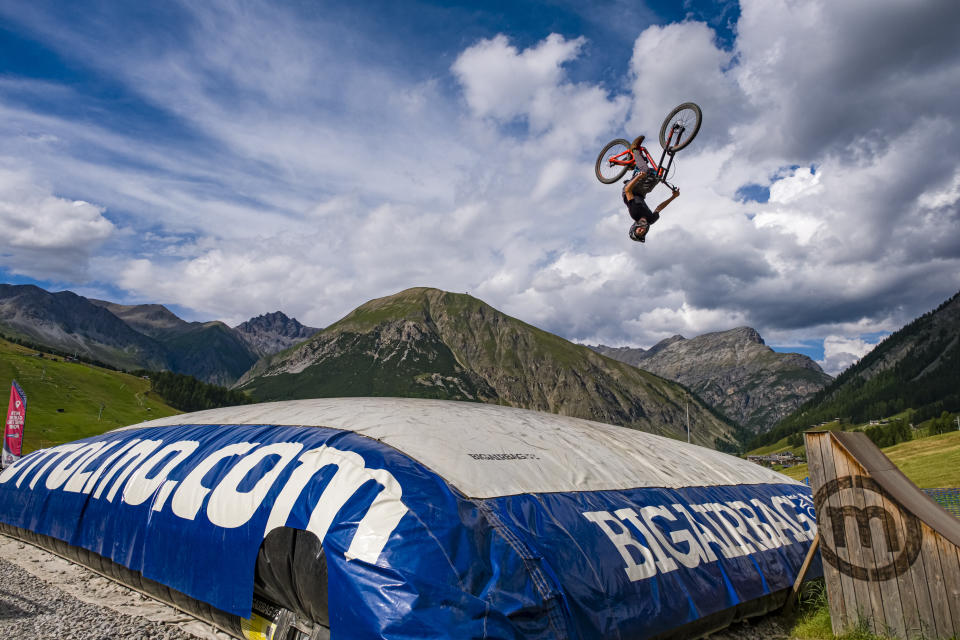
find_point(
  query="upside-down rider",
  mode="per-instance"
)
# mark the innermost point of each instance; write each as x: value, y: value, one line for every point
x: 635, y: 191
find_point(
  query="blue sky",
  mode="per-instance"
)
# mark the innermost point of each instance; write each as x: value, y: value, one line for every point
x: 230, y: 159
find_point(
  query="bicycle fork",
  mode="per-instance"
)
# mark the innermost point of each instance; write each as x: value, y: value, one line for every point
x: 664, y: 170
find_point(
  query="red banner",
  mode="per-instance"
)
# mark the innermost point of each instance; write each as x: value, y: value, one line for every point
x: 13, y: 432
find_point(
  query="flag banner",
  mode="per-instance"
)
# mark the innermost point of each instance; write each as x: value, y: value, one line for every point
x: 13, y: 432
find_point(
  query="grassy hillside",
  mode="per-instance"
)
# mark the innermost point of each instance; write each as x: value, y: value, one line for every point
x: 929, y: 462
x: 359, y: 371
x: 64, y: 398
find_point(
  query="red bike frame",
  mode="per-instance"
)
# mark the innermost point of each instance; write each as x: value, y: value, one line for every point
x: 627, y: 158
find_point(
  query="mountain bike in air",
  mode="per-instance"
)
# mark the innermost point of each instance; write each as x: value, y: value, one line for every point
x: 678, y: 130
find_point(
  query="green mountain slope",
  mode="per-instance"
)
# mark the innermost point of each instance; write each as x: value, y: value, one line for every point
x: 430, y: 343
x: 73, y: 324
x: 210, y: 351
x: 918, y: 368
x: 146, y: 336
x: 153, y: 320
x: 64, y: 398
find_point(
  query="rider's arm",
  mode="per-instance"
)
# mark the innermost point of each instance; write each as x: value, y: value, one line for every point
x: 663, y: 205
x: 630, y: 185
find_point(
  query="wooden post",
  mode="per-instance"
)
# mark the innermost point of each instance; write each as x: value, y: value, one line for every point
x: 795, y: 592
x: 891, y: 554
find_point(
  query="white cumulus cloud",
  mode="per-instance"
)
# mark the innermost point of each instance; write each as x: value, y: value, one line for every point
x: 312, y: 180
x: 840, y: 352
x: 44, y: 235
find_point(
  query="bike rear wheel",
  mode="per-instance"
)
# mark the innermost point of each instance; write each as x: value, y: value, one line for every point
x: 609, y: 172
x: 688, y: 116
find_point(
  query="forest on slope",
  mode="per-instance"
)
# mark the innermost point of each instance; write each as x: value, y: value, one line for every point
x: 917, y: 368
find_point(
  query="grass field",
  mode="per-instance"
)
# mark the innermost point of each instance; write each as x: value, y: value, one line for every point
x: 929, y: 462
x: 64, y: 398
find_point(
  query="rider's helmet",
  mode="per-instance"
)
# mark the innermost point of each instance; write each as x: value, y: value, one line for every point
x: 636, y: 231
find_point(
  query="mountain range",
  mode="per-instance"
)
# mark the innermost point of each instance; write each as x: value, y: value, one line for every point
x: 434, y: 344
x: 430, y: 343
x: 419, y: 342
x: 146, y: 336
x: 733, y: 371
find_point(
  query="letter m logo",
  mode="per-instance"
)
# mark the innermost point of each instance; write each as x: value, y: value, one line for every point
x: 837, y: 516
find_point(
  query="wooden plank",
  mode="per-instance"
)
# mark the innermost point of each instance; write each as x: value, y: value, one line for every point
x: 950, y: 566
x: 936, y: 584
x: 890, y: 588
x: 869, y: 598
x: 860, y: 608
x: 905, y: 582
x: 896, y: 551
x: 919, y: 575
x: 814, y: 446
x: 817, y: 443
x: 897, y: 485
x: 830, y: 451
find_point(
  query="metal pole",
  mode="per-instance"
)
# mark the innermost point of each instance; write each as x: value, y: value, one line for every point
x: 688, y: 421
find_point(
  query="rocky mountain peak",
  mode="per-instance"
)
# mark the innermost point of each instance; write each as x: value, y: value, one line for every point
x: 734, y: 371
x: 747, y: 334
x: 273, y: 332
x: 630, y: 355
x: 663, y: 344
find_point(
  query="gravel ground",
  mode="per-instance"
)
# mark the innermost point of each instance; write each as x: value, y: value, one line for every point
x: 763, y: 628
x: 43, y: 596
x: 32, y: 608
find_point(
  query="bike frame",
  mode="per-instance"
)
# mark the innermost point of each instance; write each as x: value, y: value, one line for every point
x: 627, y: 158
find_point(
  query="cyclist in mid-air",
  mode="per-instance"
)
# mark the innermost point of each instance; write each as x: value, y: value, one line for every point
x: 635, y: 192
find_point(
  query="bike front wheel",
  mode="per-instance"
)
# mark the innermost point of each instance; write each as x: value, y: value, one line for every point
x: 688, y: 116
x: 606, y: 169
